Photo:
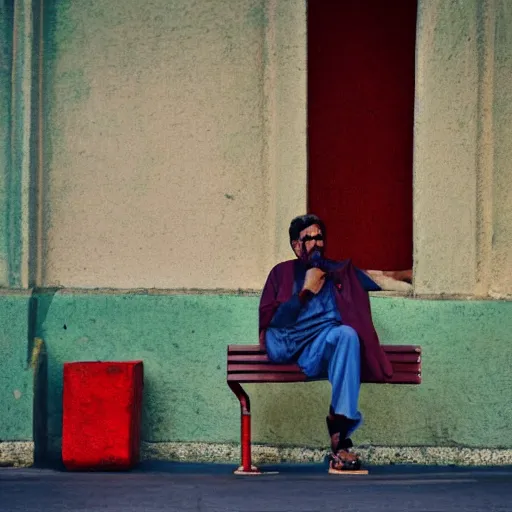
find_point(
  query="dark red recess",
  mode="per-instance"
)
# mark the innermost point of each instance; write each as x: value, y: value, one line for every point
x: 361, y: 69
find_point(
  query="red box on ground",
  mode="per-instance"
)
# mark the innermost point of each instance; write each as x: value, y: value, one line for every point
x: 102, y: 404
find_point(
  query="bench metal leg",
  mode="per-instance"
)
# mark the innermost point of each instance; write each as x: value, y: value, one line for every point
x: 245, y: 434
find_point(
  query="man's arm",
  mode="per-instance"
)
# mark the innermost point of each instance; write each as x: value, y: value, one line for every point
x: 275, y: 314
x: 367, y: 281
x: 400, y: 275
x: 268, y: 301
x: 397, y: 280
x: 288, y: 312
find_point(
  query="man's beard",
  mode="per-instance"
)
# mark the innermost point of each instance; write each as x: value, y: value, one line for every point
x: 313, y: 258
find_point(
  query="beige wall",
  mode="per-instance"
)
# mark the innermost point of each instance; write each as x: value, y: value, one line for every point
x: 445, y: 159
x: 170, y: 129
x: 463, y: 148
x: 176, y: 143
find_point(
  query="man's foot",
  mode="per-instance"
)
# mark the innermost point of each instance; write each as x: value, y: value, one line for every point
x: 343, y: 461
x: 338, y: 427
x: 341, y: 458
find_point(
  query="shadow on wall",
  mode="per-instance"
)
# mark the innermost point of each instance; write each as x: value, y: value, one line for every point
x: 39, y: 365
x: 38, y: 307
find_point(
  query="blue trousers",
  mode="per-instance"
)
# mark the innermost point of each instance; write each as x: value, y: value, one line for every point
x: 334, y: 352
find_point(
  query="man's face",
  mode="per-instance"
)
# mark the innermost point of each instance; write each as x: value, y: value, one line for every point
x: 309, y: 238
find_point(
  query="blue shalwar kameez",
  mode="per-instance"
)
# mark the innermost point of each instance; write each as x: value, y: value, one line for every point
x: 314, y: 336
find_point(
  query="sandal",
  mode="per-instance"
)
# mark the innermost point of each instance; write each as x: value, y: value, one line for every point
x: 343, y: 461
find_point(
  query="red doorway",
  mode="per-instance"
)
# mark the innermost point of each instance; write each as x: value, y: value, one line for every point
x: 361, y: 56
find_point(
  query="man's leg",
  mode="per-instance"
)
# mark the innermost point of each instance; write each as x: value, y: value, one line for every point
x: 343, y: 369
x: 339, y: 428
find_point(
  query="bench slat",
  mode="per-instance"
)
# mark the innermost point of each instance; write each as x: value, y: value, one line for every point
x: 267, y: 377
x: 398, y: 378
x: 405, y: 378
x: 249, y: 349
x: 256, y: 358
x: 406, y: 367
x: 265, y: 368
x: 394, y: 349
x: 263, y: 358
x: 389, y: 349
x: 291, y: 368
x: 403, y: 358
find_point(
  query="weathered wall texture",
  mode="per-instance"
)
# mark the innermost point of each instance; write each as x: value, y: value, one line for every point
x: 445, y: 160
x: 175, y: 156
x: 187, y: 399
x: 16, y: 379
x: 501, y: 278
x: 177, y: 159
x: 157, y: 143
x: 6, y: 19
x: 462, y: 169
x: 286, y: 110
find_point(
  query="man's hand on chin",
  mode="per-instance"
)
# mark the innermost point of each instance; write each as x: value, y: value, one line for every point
x: 314, y: 281
x: 392, y: 280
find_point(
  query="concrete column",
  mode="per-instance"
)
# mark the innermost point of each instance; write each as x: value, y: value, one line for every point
x: 286, y: 102
x: 463, y: 149
x: 451, y: 150
x: 501, y: 253
x: 21, y: 160
x: 6, y: 25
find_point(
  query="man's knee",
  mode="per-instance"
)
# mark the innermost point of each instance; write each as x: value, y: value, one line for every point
x: 349, y: 332
x: 345, y: 334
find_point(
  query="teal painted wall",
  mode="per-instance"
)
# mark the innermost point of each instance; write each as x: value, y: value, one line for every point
x: 6, y: 20
x: 16, y: 377
x: 463, y: 400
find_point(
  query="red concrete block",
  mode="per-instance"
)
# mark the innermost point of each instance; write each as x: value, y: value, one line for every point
x: 101, y: 415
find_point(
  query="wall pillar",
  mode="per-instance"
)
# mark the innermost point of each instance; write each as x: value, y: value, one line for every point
x: 463, y: 149
x: 21, y: 158
x: 6, y: 26
x: 286, y: 119
x: 445, y: 142
x: 501, y: 240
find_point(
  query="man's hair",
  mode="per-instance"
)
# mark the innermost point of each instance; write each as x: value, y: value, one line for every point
x: 303, y: 222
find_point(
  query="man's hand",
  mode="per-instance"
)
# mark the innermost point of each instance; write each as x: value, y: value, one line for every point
x: 399, y: 275
x: 397, y: 281
x: 315, y: 279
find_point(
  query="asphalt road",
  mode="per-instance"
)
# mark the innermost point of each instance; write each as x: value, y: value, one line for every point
x: 182, y: 487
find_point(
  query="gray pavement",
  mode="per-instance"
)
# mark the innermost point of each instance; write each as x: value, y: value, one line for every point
x: 300, y: 488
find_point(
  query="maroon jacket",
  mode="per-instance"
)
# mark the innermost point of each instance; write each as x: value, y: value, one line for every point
x: 353, y: 304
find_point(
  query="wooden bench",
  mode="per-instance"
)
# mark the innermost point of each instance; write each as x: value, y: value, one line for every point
x: 250, y: 364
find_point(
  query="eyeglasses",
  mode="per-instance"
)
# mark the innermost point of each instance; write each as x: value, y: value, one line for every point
x: 308, y: 238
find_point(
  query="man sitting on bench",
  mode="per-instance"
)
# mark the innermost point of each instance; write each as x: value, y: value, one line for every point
x: 316, y: 312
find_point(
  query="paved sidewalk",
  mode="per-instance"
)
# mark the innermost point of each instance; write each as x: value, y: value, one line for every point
x: 301, y: 488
